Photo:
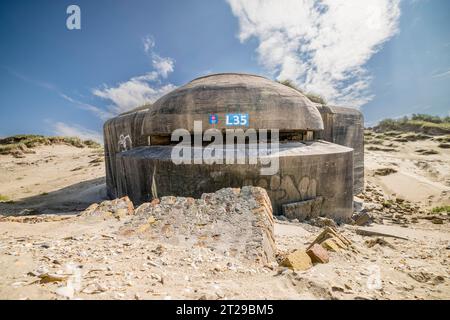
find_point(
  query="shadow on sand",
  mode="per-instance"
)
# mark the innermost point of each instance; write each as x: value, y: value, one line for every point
x: 69, y: 200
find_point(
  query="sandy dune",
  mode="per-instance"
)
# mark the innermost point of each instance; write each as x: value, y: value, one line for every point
x: 419, y: 178
x: 61, y: 181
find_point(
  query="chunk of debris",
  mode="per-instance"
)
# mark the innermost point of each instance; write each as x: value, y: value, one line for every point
x: 52, y: 277
x: 437, y: 220
x: 303, y: 210
x: 115, y: 208
x: 333, y: 244
x: 369, y: 233
x: 237, y: 221
x: 331, y: 240
x: 361, y: 219
x: 298, y: 260
x: 384, y: 171
x: 380, y: 241
x: 318, y: 254
x: 322, y: 222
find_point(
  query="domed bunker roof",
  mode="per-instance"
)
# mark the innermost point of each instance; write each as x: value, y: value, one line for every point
x: 269, y: 105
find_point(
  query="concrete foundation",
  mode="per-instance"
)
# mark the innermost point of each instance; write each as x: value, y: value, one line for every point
x: 306, y: 172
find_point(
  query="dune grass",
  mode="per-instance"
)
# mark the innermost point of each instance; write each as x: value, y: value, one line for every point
x: 24, y: 142
x: 423, y: 123
x: 441, y: 209
x: 314, y: 97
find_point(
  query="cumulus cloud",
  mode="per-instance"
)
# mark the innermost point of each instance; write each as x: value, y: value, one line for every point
x: 162, y: 65
x: 321, y: 45
x: 142, y: 89
x: 64, y: 129
x: 133, y: 93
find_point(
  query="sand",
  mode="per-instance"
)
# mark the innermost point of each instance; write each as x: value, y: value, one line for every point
x: 95, y: 261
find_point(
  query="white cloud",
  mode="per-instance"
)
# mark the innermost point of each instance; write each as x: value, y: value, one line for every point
x: 322, y: 45
x: 441, y: 75
x: 131, y: 94
x: 142, y: 89
x: 64, y: 129
x: 162, y: 65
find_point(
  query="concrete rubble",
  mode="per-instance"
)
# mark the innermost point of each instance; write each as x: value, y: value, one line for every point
x: 236, y: 222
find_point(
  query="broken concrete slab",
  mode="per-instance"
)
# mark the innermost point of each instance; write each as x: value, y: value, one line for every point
x: 298, y: 260
x: 234, y: 221
x: 318, y: 254
x: 370, y: 233
x: 330, y: 233
x: 303, y: 210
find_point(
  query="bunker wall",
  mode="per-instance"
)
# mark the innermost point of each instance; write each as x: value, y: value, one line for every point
x: 143, y: 171
x: 345, y: 126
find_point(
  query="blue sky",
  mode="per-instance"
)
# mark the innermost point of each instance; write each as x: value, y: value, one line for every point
x: 388, y: 58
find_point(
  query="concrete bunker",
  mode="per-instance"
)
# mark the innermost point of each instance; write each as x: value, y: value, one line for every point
x: 316, y: 154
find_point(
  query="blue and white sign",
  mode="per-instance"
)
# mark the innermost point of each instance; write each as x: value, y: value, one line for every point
x: 213, y: 119
x: 237, y: 119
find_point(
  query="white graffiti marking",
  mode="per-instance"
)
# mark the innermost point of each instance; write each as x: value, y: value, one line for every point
x: 125, y: 143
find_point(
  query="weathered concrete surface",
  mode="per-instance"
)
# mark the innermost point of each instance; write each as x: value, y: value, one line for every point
x: 307, y: 170
x: 270, y: 105
x: 234, y: 222
x: 345, y: 126
x: 303, y: 210
x: 121, y: 133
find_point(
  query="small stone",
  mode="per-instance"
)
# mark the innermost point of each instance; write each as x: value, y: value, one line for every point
x: 438, y: 280
x: 318, y: 254
x: 297, y: 260
x: 51, y: 277
x: 437, y: 220
x: 157, y: 277
x: 362, y: 219
x: 323, y: 222
x: 330, y: 244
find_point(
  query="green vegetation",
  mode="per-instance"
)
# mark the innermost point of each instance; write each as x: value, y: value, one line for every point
x: 442, y: 209
x: 20, y: 144
x: 3, y: 198
x: 424, y: 123
x: 310, y: 95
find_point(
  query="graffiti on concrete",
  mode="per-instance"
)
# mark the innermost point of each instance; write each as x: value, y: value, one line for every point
x: 125, y: 143
x: 283, y: 187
